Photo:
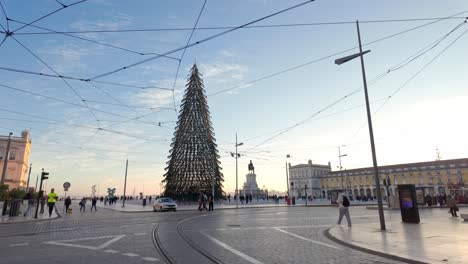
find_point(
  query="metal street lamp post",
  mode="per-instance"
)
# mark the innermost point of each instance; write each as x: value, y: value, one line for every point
x: 237, y: 155
x: 287, y: 176
x: 339, y: 157
x: 369, y: 121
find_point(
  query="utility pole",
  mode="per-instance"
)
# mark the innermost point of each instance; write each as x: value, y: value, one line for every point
x: 237, y: 178
x: 125, y: 183
x: 35, y: 187
x: 346, y: 180
x: 369, y: 121
x: 29, y: 176
x: 287, y: 176
x: 236, y: 155
x: 6, y: 157
x: 371, y: 135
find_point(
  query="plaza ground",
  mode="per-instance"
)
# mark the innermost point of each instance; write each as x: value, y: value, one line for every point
x: 250, y: 235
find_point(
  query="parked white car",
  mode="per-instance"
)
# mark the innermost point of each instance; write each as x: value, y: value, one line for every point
x: 164, y: 204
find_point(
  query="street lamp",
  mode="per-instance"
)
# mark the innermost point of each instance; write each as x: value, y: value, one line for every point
x: 237, y: 155
x: 339, y: 157
x: 369, y: 121
x: 287, y: 176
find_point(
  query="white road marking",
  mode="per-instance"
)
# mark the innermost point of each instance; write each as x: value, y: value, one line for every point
x: 130, y: 255
x: 306, y: 239
x: 102, y: 246
x: 233, y: 250
x: 140, y: 234
x: 18, y: 245
x: 267, y: 227
x: 297, y: 218
x: 111, y: 251
x: 150, y: 259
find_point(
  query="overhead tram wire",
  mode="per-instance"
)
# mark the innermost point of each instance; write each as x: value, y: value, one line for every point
x: 411, y: 59
x: 47, y: 15
x: 200, y: 41
x: 65, y: 81
x: 455, y: 16
x: 64, y: 123
x: 284, y: 130
x: 129, y: 106
x: 81, y: 79
x: 94, y: 41
x: 183, y: 54
x: 62, y: 4
x: 332, y: 55
x: 7, y: 29
x: 60, y: 100
x: 246, y: 27
x: 122, y: 104
x: 127, y: 119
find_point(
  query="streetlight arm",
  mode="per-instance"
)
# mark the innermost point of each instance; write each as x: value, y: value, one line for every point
x: 350, y: 57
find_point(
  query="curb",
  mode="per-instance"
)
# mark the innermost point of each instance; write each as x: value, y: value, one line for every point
x: 58, y: 215
x: 370, y: 251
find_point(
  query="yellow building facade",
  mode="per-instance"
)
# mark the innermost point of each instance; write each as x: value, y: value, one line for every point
x: 18, y: 160
x: 434, y: 177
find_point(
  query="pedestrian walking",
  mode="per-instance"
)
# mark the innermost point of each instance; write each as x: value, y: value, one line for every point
x: 29, y: 199
x: 93, y: 204
x: 83, y: 204
x: 51, y: 199
x: 42, y: 201
x: 210, y: 203
x: 202, y: 202
x: 343, y: 204
x: 452, y: 204
x: 67, y: 204
x: 105, y: 201
x: 229, y: 198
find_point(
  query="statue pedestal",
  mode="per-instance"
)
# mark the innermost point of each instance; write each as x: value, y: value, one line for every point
x: 250, y: 185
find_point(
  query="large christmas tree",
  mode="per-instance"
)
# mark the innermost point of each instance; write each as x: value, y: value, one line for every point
x: 193, y: 165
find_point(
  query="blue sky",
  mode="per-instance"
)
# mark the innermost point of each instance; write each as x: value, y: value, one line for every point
x: 426, y: 114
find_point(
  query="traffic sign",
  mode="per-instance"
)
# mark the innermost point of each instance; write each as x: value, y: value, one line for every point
x: 66, y: 185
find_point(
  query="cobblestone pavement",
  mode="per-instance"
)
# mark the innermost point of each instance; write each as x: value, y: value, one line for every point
x: 266, y: 235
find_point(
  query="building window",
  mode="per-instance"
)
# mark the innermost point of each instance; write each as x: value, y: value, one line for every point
x: 12, y: 155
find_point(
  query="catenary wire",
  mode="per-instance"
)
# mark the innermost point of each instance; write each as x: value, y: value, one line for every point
x: 247, y: 27
x: 65, y: 81
x: 6, y: 18
x: 397, y: 67
x: 331, y: 55
x: 95, y: 42
x: 49, y: 14
x: 200, y: 41
x: 183, y: 54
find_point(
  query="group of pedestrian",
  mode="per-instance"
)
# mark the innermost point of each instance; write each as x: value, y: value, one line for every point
x: 83, y: 204
x: 111, y: 200
x: 202, y: 199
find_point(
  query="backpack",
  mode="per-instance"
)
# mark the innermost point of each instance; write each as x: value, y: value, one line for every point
x: 345, y: 201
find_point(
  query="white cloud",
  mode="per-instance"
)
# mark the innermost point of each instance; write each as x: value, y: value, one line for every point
x: 116, y: 22
x: 155, y: 98
x: 221, y: 70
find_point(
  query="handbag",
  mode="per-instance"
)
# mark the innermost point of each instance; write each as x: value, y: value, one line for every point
x: 456, y: 208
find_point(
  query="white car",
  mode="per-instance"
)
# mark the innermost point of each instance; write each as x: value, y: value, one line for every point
x: 164, y: 204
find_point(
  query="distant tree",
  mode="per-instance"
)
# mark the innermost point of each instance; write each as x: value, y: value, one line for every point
x: 193, y: 165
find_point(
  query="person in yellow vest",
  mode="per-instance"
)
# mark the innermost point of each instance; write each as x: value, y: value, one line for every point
x: 51, y: 199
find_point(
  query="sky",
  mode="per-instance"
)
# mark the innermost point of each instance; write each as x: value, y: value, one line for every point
x: 416, y: 72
